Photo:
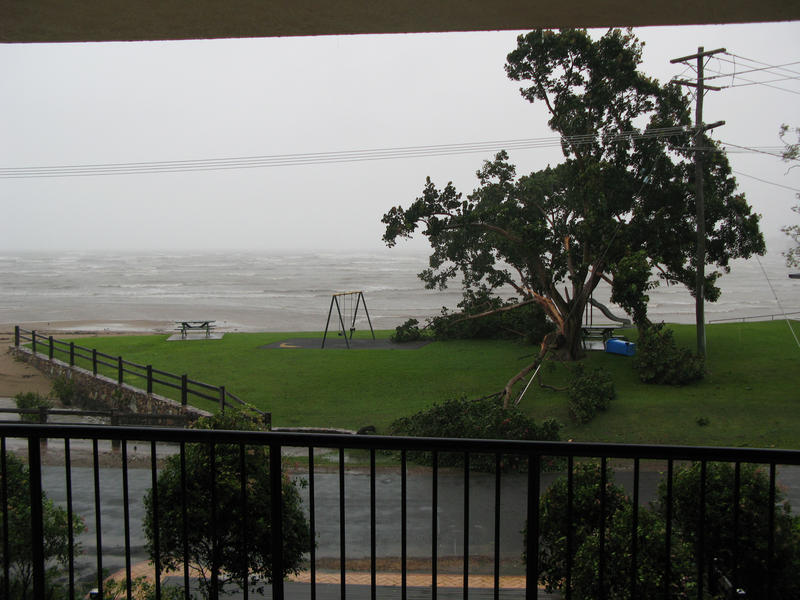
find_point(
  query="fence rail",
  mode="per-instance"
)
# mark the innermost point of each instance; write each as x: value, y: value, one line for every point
x: 71, y: 353
x: 531, y: 486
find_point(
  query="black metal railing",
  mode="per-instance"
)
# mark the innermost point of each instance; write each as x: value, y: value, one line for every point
x: 89, y: 358
x: 322, y: 521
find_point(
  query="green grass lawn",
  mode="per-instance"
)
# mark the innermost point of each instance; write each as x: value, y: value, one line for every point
x: 750, y: 397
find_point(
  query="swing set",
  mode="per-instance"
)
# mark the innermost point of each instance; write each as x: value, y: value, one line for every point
x: 347, y: 305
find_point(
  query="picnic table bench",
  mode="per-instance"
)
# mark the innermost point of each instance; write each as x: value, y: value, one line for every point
x: 186, y: 326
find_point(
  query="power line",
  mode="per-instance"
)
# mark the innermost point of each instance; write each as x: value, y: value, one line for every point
x: 758, y: 62
x: 343, y: 156
x: 780, y: 185
x: 779, y: 153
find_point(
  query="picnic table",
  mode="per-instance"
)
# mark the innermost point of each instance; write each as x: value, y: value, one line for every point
x: 186, y: 326
x: 598, y: 332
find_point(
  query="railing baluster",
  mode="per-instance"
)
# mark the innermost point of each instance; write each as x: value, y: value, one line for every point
x: 570, y: 523
x: 373, y: 578
x: 635, y: 531
x: 276, y: 507
x: 243, y: 494
x: 212, y: 461
x: 70, y: 532
x: 532, y: 546
x: 156, y: 532
x: 466, y: 526
x: 668, y: 561
x: 497, y: 467
x: 37, y: 516
x: 312, y: 522
x: 4, y: 499
x: 126, y: 516
x: 701, y: 540
x: 342, y: 566
x: 435, y: 525
x: 737, y: 489
x: 403, y: 526
x: 184, y: 523
x: 97, y: 520
x: 601, y: 562
x: 771, y: 540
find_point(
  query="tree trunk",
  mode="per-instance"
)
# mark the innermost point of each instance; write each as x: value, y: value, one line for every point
x: 572, y: 346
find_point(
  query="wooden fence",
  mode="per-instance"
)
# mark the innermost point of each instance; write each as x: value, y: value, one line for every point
x: 72, y: 354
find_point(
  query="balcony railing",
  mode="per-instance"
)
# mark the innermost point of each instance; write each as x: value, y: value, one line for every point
x: 454, y: 511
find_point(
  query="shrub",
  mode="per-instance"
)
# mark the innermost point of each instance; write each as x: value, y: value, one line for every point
x: 741, y: 556
x: 65, y: 389
x: 659, y: 359
x: 222, y: 564
x: 407, y: 332
x: 585, y: 550
x: 31, y: 400
x: 589, y: 392
x: 483, y: 419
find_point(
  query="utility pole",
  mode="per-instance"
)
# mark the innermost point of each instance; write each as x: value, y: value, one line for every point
x: 700, y: 129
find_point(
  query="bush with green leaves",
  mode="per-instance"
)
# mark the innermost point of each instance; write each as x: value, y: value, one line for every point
x: 614, y: 513
x: 590, y: 391
x: 407, y: 332
x: 482, y: 419
x: 141, y: 589
x: 65, y: 389
x: 741, y: 553
x: 56, y: 527
x: 31, y: 400
x: 222, y: 539
x: 660, y: 360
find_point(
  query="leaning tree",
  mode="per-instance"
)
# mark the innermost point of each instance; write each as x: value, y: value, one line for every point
x: 620, y: 205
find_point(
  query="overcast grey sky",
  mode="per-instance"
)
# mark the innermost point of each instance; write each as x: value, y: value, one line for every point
x: 73, y: 104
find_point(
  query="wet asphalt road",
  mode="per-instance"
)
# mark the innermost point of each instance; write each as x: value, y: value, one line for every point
x: 450, y: 513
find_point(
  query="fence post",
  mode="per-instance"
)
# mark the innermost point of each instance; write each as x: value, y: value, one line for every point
x: 50, y: 349
x: 16, y: 336
x: 222, y: 398
x: 33, y: 341
x: 115, y: 444
x: 42, y: 421
x: 119, y: 370
x: 149, y: 379
x: 94, y: 362
x: 184, y: 390
x: 72, y: 354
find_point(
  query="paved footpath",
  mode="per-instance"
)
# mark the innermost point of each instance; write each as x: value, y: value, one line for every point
x: 328, y: 587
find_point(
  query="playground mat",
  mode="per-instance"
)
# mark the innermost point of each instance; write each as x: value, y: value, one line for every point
x: 337, y: 342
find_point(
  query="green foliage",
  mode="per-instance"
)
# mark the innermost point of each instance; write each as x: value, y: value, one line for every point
x: 482, y: 419
x: 741, y: 554
x: 554, y: 522
x: 586, y: 551
x: 650, y: 564
x: 631, y: 282
x: 56, y: 535
x: 407, y: 332
x: 509, y: 320
x: 237, y: 536
x: 589, y: 392
x: 65, y: 389
x: 141, y: 589
x: 31, y: 400
x: 660, y: 360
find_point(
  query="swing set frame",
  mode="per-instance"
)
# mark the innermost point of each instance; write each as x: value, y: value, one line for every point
x: 345, y: 296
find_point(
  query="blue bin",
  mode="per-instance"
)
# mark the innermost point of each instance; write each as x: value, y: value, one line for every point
x: 615, y: 346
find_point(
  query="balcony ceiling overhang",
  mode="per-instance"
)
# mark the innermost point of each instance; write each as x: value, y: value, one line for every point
x: 128, y: 20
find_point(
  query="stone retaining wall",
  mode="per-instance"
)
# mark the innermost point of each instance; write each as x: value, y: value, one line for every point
x: 101, y: 392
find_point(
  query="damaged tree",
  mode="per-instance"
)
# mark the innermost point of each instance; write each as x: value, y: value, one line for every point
x: 619, y: 206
